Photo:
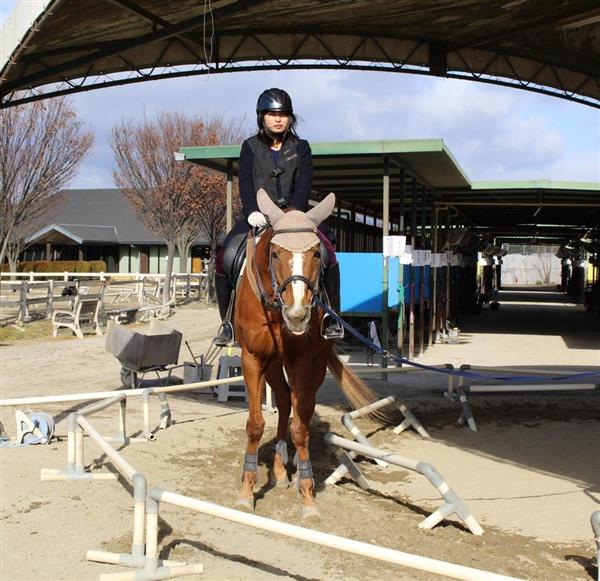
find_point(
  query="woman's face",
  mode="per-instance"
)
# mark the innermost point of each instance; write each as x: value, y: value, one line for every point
x: 276, y: 121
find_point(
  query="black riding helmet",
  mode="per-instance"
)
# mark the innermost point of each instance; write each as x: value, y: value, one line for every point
x: 274, y: 100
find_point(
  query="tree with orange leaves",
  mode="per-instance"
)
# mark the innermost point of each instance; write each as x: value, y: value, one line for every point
x: 176, y: 201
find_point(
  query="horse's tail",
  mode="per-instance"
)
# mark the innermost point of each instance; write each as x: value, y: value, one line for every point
x: 357, y: 392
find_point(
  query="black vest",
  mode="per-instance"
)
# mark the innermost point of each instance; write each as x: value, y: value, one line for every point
x: 278, y: 182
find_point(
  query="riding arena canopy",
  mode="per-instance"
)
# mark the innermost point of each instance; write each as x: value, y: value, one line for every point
x: 385, y: 178
x: 52, y: 47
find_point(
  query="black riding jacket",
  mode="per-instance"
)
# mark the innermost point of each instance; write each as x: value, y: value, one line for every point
x: 286, y: 175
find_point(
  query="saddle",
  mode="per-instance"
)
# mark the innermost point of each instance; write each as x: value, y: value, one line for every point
x: 233, y: 257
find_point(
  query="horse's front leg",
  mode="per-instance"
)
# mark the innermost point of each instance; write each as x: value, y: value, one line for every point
x: 254, y: 376
x: 303, y: 403
x: 276, y: 379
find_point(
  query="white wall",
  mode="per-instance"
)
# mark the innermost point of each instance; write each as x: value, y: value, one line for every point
x: 530, y: 269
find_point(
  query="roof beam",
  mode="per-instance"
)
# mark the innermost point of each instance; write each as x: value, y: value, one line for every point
x: 123, y: 46
x: 156, y: 20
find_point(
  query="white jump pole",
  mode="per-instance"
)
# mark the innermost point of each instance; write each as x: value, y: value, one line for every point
x: 106, y: 394
x: 502, y: 388
x: 328, y: 540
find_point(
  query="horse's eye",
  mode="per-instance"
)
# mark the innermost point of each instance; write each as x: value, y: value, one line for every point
x: 274, y: 256
x: 317, y: 255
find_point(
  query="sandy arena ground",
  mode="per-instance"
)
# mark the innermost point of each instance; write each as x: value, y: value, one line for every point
x: 531, y: 475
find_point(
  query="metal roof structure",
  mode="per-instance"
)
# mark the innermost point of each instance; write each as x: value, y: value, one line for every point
x: 550, y: 212
x: 65, y: 46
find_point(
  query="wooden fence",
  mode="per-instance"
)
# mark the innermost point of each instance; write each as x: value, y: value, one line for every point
x: 143, y: 289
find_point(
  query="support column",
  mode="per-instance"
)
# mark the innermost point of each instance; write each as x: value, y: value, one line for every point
x: 229, y: 195
x: 401, y: 300
x: 386, y: 221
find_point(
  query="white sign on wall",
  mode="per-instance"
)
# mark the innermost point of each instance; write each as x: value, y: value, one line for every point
x: 393, y: 245
x: 406, y: 257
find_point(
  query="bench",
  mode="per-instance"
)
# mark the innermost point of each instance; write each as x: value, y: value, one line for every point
x: 84, y: 310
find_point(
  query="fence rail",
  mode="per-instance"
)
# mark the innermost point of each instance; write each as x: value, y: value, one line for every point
x: 144, y: 289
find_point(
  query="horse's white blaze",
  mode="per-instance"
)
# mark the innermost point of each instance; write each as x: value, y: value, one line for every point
x: 298, y: 287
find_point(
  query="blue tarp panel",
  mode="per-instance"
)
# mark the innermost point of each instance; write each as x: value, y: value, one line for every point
x: 361, y: 282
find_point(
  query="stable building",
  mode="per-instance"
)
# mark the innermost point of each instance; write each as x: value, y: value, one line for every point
x: 100, y: 224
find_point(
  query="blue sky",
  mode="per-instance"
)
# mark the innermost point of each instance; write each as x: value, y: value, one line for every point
x: 495, y: 133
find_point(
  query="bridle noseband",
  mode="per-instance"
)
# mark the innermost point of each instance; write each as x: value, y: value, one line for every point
x: 278, y: 289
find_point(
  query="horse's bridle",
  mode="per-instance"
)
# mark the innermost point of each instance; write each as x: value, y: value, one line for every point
x: 277, y: 302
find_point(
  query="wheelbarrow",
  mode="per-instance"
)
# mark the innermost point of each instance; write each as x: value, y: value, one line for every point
x: 139, y: 354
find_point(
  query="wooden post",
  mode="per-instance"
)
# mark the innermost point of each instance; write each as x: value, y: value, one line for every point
x: 422, y: 272
x: 433, y: 295
x: 386, y: 220
x: 411, y: 314
x: 401, y: 300
x: 50, y: 299
x: 229, y: 195
x: 23, y: 315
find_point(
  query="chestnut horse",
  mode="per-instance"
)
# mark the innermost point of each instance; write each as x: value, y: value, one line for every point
x: 279, y: 331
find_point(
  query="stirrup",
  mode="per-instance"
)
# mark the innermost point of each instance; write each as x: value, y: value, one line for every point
x: 225, y: 335
x: 335, y: 331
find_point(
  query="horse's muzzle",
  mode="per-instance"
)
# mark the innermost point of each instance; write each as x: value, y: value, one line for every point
x: 296, y: 318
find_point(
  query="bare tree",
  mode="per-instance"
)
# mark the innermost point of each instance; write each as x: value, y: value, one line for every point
x: 41, y: 147
x: 170, y: 197
x: 18, y: 241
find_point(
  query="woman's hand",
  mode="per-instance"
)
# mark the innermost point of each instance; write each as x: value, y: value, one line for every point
x: 257, y: 219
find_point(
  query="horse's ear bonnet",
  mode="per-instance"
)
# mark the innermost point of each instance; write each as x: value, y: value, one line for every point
x: 294, y: 230
x: 268, y: 207
x: 322, y: 210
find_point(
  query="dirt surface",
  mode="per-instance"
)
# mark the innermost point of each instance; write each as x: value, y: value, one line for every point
x: 530, y: 475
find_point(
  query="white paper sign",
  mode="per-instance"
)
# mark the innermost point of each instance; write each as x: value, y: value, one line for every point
x: 387, y: 246
x: 406, y: 257
x: 398, y: 245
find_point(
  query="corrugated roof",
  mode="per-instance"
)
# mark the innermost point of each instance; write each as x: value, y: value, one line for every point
x: 544, y: 46
x: 354, y: 171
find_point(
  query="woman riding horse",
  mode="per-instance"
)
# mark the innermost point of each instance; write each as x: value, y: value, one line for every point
x: 277, y: 324
x: 278, y: 161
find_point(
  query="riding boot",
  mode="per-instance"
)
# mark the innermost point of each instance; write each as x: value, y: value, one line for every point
x: 225, y: 302
x: 333, y: 329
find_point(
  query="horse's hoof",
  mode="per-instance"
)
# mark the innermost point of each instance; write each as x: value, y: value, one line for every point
x: 310, y: 512
x: 245, y: 503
